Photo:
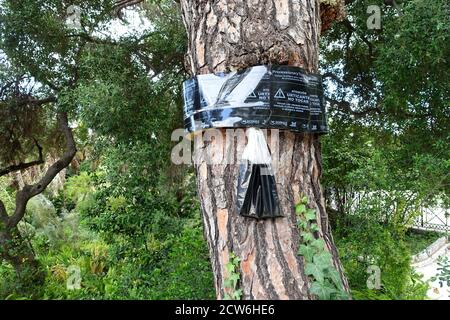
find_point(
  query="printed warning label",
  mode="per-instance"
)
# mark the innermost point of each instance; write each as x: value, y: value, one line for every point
x: 279, y: 94
x: 281, y: 97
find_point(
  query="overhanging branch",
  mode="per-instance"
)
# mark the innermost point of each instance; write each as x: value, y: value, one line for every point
x: 351, y: 28
x: 29, y: 191
x: 347, y: 83
x: 38, y: 102
x: 344, y: 106
x: 26, y: 165
x: 122, y: 4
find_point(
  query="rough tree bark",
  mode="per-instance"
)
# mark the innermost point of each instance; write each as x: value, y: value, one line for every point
x: 231, y: 35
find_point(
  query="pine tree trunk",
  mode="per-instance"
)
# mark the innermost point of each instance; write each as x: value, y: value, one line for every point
x: 231, y: 35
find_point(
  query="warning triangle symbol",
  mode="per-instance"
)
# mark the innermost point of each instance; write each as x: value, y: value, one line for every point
x: 252, y: 95
x: 279, y: 94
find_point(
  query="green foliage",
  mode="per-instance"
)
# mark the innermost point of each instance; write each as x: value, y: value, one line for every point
x: 155, y: 245
x: 363, y: 242
x: 42, y: 211
x: 7, y: 194
x: 426, y: 57
x: 326, y: 280
x: 376, y: 185
x: 35, y: 36
x: 415, y: 289
x: 186, y: 273
x: 8, y: 283
x: 177, y: 268
x: 90, y: 256
x: 443, y: 269
x: 395, y: 138
x: 232, y: 292
x: 78, y: 190
x: 172, y: 267
x: 419, y: 241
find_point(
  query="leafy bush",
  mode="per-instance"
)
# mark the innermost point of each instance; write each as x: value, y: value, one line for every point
x: 6, y: 193
x: 181, y: 271
x: 419, y: 241
x: 370, y: 243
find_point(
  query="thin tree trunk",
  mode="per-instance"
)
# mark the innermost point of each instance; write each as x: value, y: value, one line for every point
x: 231, y: 35
x: 13, y: 248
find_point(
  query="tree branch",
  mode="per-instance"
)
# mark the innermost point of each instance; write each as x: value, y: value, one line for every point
x: 345, y: 107
x: 3, y: 214
x: 90, y: 39
x: 23, y: 166
x: 29, y: 191
x: 351, y: 28
x: 8, y: 85
x: 26, y: 99
x: 122, y: 4
x: 164, y: 13
x: 38, y: 102
x: 348, y: 83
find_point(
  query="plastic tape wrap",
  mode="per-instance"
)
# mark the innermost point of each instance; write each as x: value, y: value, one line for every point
x: 272, y: 97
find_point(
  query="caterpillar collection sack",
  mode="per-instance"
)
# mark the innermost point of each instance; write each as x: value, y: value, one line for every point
x: 257, y: 191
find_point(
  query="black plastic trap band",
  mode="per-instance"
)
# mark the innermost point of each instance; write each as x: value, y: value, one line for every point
x: 271, y: 97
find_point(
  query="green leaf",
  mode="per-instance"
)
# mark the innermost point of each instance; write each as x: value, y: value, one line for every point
x: 230, y: 267
x: 237, y: 294
x: 314, y: 227
x: 228, y: 283
x: 307, y: 236
x: 322, y: 290
x: 341, y: 295
x: 315, y: 271
x: 318, y: 244
x: 234, y: 277
x: 334, y: 275
x: 323, y: 260
x: 310, y: 215
x: 300, y: 208
x: 307, y: 252
x: 301, y: 224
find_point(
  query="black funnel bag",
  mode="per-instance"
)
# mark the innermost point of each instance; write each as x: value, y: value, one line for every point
x: 257, y: 195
